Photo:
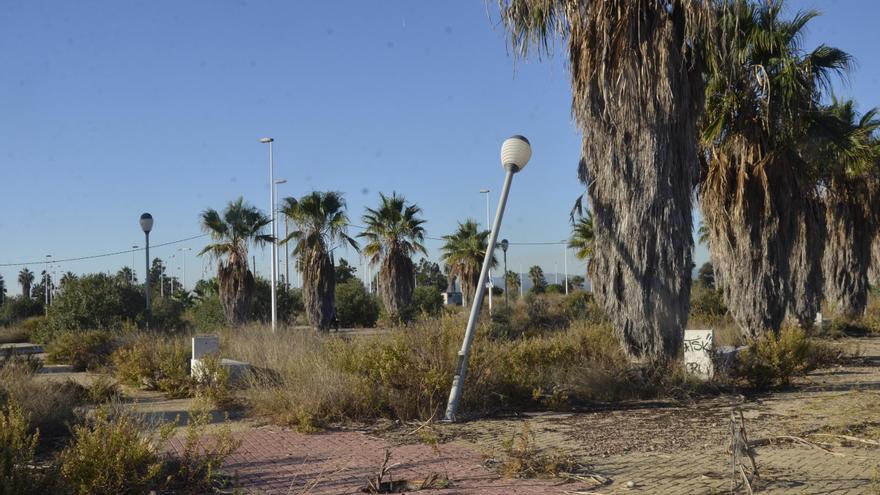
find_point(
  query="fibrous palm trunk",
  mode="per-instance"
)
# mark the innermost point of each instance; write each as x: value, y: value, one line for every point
x: 319, y: 289
x: 639, y: 162
x: 848, y: 247
x: 396, y: 283
x: 874, y: 268
x: 765, y: 238
x: 236, y: 289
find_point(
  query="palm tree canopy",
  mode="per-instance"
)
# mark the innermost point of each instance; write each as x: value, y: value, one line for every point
x: 25, y: 277
x: 239, y: 224
x: 393, y: 226
x: 467, y: 246
x: 582, y: 237
x: 320, y: 219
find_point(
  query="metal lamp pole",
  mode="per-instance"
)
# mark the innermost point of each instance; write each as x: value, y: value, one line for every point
x: 183, y: 255
x: 565, y: 262
x: 504, y: 245
x: 515, y: 154
x: 276, y: 183
x: 273, y: 275
x: 147, y: 226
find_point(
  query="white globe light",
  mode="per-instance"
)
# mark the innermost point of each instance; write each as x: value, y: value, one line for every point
x: 147, y: 222
x: 516, y: 151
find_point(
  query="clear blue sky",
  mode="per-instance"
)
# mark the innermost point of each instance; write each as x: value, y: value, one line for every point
x: 113, y: 108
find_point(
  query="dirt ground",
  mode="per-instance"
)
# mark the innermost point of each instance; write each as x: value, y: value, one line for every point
x: 820, y: 436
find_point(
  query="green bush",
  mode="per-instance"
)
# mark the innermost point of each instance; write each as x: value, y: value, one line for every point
x: 207, y: 315
x: 82, y: 350
x: 707, y: 303
x: 18, y: 308
x: 355, y: 307
x: 111, y: 456
x: 167, y: 315
x: 153, y: 362
x: 17, y: 448
x: 427, y: 301
x: 95, y: 301
x: 772, y: 360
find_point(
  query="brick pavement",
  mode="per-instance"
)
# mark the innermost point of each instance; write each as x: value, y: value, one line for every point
x: 279, y: 461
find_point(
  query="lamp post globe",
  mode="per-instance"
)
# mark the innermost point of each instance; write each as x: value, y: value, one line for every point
x: 516, y: 151
x: 147, y: 225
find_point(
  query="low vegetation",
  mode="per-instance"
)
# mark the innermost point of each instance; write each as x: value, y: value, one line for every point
x: 82, y: 350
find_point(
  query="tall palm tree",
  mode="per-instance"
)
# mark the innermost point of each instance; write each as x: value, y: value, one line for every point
x: 394, y: 234
x: 758, y: 194
x: 463, y: 253
x: 26, y: 279
x: 849, y: 159
x: 511, y: 283
x: 536, y: 275
x: 637, y: 97
x: 321, y: 223
x: 239, y: 225
x: 582, y: 238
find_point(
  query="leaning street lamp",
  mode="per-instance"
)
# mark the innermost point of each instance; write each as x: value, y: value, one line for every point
x: 515, y: 154
x: 147, y: 226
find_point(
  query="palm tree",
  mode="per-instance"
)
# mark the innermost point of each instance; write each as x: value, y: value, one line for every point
x: 511, y: 282
x: 463, y: 253
x: 851, y: 218
x: 321, y: 222
x: 67, y: 278
x: 2, y: 290
x: 536, y: 275
x: 582, y: 238
x: 758, y: 194
x: 26, y: 279
x: 637, y: 97
x: 394, y: 234
x: 239, y: 225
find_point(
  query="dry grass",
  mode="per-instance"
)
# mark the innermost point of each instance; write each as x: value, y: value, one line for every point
x: 49, y: 405
x: 14, y: 334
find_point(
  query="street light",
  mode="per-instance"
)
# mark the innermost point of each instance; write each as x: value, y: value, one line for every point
x: 515, y: 154
x: 147, y: 226
x: 133, y: 249
x: 183, y: 255
x: 565, y: 262
x: 286, y: 245
x: 504, y: 245
x: 273, y: 275
x: 488, y: 251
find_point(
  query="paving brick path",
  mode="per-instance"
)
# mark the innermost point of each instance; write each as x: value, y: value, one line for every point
x: 278, y: 461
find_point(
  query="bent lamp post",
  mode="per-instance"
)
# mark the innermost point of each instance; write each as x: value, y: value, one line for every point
x: 147, y: 226
x: 515, y: 154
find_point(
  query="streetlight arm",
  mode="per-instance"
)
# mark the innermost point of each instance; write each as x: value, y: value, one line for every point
x: 461, y: 368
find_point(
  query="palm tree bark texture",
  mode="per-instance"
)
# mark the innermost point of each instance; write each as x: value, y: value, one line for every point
x: 637, y: 96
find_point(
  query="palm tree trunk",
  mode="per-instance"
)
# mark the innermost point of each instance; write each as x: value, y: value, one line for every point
x: 765, y: 239
x: 639, y: 164
x: 848, y: 249
x: 236, y: 289
x: 396, y: 283
x: 319, y: 289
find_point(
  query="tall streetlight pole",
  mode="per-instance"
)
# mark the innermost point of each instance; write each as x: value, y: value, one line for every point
x: 565, y: 262
x: 133, y: 250
x: 273, y: 275
x: 147, y: 226
x: 183, y: 255
x: 46, y: 284
x: 489, y: 251
x: 515, y: 154
x: 277, y: 182
x: 504, y: 245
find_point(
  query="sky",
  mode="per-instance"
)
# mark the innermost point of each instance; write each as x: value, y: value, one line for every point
x: 115, y: 108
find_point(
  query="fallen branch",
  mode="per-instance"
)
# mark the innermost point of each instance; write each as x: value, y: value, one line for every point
x: 847, y: 437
